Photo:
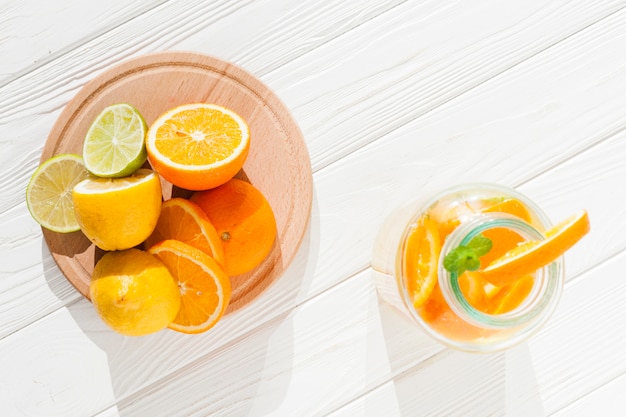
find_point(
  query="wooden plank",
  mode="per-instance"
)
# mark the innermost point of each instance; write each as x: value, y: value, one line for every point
x: 559, y: 365
x: 303, y: 363
x: 34, y: 32
x: 53, y: 369
x: 32, y: 104
x: 381, y: 401
x: 485, y: 373
x: 607, y: 400
x: 415, y: 62
x: 565, y: 101
x: 336, y: 233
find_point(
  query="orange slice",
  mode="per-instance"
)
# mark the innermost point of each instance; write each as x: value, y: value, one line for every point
x: 449, y: 214
x: 421, y: 254
x: 473, y: 288
x: 510, y: 296
x: 534, y: 254
x: 198, y: 146
x: 244, y: 221
x: 204, y: 287
x: 508, y: 205
x: 182, y: 220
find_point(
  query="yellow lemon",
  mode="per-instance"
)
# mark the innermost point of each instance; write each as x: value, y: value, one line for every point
x: 118, y: 213
x: 133, y: 292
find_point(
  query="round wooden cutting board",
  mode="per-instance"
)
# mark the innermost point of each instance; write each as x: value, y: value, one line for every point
x: 278, y: 162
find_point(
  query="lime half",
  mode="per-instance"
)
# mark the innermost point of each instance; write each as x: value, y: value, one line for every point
x: 115, y: 143
x: 49, y: 192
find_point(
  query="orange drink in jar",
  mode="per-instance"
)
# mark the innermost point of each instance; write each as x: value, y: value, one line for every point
x: 479, y: 267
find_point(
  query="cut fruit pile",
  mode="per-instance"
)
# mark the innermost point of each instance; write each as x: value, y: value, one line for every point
x: 153, y: 246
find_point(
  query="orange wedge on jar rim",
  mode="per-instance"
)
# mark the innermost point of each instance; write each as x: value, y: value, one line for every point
x: 532, y: 255
x: 419, y: 263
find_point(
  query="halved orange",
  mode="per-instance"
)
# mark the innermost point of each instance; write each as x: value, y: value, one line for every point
x: 244, y: 221
x: 534, y: 254
x: 419, y: 263
x: 198, y: 146
x: 204, y: 287
x: 182, y: 220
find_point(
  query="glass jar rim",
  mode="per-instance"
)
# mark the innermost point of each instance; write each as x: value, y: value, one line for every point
x: 544, y: 286
x: 505, y: 338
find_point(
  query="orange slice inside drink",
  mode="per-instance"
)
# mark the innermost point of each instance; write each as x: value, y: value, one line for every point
x: 421, y: 255
x: 511, y: 295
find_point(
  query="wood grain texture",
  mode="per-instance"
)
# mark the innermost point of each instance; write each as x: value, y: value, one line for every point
x: 565, y: 361
x: 32, y: 32
x: 277, y: 163
x: 536, y: 87
x: 400, y: 74
x: 607, y: 400
x: 449, y: 383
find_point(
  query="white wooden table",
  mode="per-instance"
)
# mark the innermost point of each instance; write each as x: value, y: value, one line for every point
x: 395, y: 99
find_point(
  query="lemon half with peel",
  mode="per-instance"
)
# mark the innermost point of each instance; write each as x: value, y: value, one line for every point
x: 118, y: 213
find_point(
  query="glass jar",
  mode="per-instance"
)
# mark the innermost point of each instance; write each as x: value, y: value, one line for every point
x: 466, y: 312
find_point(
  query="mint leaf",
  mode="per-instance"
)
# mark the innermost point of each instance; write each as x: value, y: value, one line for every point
x: 451, y: 261
x: 481, y: 244
x: 467, y: 258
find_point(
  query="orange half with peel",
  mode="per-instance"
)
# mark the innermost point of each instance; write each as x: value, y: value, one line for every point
x: 182, y: 220
x: 198, y: 146
x: 244, y: 221
x: 419, y: 263
x: 532, y: 255
x: 204, y: 286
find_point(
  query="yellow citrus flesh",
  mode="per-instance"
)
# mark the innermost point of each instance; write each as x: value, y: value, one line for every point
x: 133, y: 292
x: 198, y: 146
x: 204, y: 287
x: 532, y: 255
x: 118, y: 213
x: 419, y: 264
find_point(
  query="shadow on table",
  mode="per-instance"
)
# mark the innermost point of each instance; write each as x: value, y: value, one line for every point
x: 235, y: 366
x: 431, y: 379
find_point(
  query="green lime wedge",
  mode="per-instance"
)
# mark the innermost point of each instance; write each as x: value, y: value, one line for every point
x: 115, y: 143
x: 49, y: 192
